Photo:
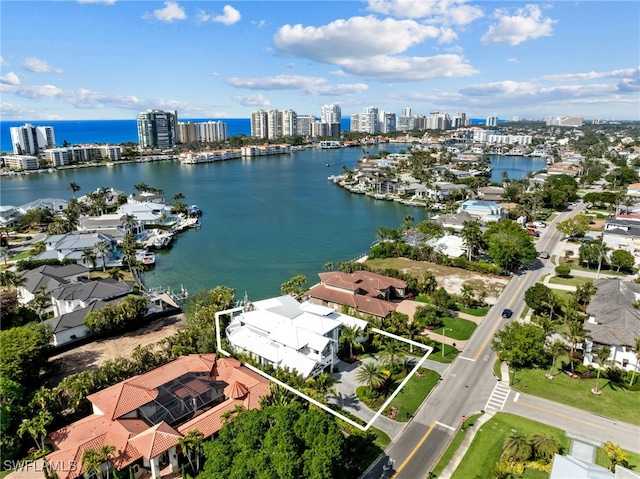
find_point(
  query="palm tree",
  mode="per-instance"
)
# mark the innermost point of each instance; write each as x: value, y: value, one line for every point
x: 116, y: 273
x: 407, y: 222
x: 129, y: 221
x: 392, y: 354
x: 471, y: 234
x: 516, y: 447
x: 36, y: 427
x: 633, y: 374
x: 327, y: 266
x: 88, y: 257
x: 12, y: 279
x: 104, y: 454
x: 575, y: 334
x: 102, y: 248
x: 191, y: 443
x: 38, y: 248
x: 349, y: 335
x: 603, y: 359
x: 468, y: 293
x: 91, y: 463
x: 41, y: 300
x: 370, y: 375
x: 74, y: 187
x: 555, y: 349
x: 545, y: 446
x: 412, y: 332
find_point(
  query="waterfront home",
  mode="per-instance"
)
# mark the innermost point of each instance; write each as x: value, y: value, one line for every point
x: 146, y: 197
x: 285, y: 333
x: 145, y: 417
x: 613, y: 321
x: 485, y: 211
x: 491, y: 193
x: 148, y: 212
x: 69, y: 297
x: 443, y: 190
x: 55, y: 205
x: 45, y: 279
x: 9, y: 216
x: 623, y: 232
x: 109, y: 195
x: 72, y: 246
x: 449, y: 245
x: 114, y: 225
x: 454, y: 221
x: 363, y: 291
x: 70, y: 327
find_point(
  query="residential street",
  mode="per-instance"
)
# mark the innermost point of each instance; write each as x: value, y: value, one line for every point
x: 468, y: 384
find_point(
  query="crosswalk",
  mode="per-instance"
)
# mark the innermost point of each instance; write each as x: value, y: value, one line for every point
x: 498, y: 397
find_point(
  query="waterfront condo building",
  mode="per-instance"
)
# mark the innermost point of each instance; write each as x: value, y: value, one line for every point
x: 29, y: 140
x: 289, y: 122
x: 492, y: 121
x: 304, y: 124
x: 157, y: 129
x: 332, y: 116
x: 208, y: 131
x: 438, y: 121
x: 259, y: 124
x: 387, y: 122
x: 367, y: 121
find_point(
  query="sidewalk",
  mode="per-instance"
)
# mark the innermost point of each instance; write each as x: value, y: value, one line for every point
x: 470, y: 434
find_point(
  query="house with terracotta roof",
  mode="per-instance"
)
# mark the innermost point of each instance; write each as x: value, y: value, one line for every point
x: 613, y: 321
x: 364, y: 291
x: 285, y: 333
x: 144, y: 417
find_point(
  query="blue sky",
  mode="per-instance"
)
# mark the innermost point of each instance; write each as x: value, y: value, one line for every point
x: 110, y: 59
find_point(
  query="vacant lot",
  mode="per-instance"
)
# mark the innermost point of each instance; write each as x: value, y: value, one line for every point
x: 451, y: 279
x: 92, y: 355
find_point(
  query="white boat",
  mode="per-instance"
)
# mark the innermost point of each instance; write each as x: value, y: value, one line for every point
x: 147, y: 258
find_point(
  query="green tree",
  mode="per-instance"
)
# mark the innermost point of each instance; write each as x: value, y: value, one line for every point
x: 574, y: 227
x: 24, y: 352
x: 520, y: 344
x: 471, y: 234
x: 393, y: 355
x: 538, y: 297
x: 370, y: 375
x: 105, y: 453
x: 349, y: 336
x: 633, y: 374
x: 116, y: 273
x: 102, y: 248
x: 295, y: 286
x: 191, y: 444
x: 88, y: 257
x: 36, y: 427
x: 545, y: 446
x: 516, y: 447
x: 615, y: 454
x: 602, y: 356
x: 575, y: 334
x: 74, y: 188
x: 622, y: 259
x: 92, y: 463
x: 508, y: 244
x: 555, y: 350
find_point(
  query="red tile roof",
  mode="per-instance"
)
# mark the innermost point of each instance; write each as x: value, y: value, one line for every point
x: 132, y: 437
x: 365, y: 304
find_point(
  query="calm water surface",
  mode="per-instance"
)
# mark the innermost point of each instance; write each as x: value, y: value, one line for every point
x: 265, y: 220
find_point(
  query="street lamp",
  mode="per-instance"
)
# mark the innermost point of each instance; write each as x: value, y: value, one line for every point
x: 444, y: 336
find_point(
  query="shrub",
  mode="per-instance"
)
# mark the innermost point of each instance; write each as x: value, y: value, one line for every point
x: 563, y: 271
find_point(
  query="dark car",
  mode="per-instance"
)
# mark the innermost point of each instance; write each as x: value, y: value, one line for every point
x: 506, y: 313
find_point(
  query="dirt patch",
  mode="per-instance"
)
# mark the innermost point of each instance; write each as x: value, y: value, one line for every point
x: 94, y: 354
x: 451, y: 279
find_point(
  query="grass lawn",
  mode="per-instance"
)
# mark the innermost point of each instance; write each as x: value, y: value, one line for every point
x: 563, y: 296
x: 22, y: 255
x: 485, y: 450
x: 453, y: 446
x: 603, y: 270
x: 460, y: 328
x: 571, y: 281
x: 450, y: 353
x: 99, y: 274
x: 409, y: 399
x: 615, y: 402
x: 475, y: 311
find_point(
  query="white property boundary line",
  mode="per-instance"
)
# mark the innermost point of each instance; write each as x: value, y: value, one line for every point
x: 366, y: 427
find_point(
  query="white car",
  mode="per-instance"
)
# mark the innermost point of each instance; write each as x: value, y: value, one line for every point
x: 539, y: 224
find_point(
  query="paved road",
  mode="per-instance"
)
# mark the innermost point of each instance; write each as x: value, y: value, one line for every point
x: 469, y: 383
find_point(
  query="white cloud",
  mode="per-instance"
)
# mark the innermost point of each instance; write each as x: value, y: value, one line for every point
x: 19, y: 112
x: 309, y: 85
x: 357, y: 37
x: 10, y: 79
x: 229, y: 16
x: 3, y: 62
x: 39, y: 66
x: 171, y: 11
x: 526, y: 24
x: 628, y: 73
x: 512, y: 60
x: 455, y: 12
x: 405, y: 69
x: 251, y: 100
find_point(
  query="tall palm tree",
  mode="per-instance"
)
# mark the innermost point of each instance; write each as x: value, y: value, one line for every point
x: 349, y: 335
x: 555, y: 349
x: 91, y: 463
x: 392, y: 354
x: 191, y: 443
x: 471, y: 234
x: 407, y: 222
x: 102, y: 248
x: 116, y: 273
x: 633, y: 374
x: 575, y: 334
x: 11, y: 279
x: 105, y: 454
x: 36, y: 427
x: 603, y: 359
x: 370, y: 375
x: 38, y: 248
x: 74, y: 187
x: 327, y: 266
x: 516, y: 447
x: 88, y: 257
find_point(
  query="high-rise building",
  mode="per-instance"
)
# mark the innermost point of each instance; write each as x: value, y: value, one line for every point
x: 157, y: 129
x: 259, y: 124
x: 304, y: 124
x: 369, y: 120
x: 406, y: 112
x: 211, y: 131
x: 492, y: 121
x: 289, y: 123
x: 332, y: 116
x: 460, y: 120
x: 565, y: 121
x: 387, y: 122
x: 355, y: 122
x: 187, y: 132
x: 438, y: 121
x: 29, y: 140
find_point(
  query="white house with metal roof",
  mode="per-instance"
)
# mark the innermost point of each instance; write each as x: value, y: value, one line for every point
x: 285, y: 333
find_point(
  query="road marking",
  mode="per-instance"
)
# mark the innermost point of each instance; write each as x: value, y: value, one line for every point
x: 445, y: 425
x: 517, y: 396
x: 415, y: 449
x: 484, y: 345
x: 467, y: 359
x: 562, y: 415
x: 498, y: 397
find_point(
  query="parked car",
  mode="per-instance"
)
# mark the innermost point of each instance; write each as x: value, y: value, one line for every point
x: 506, y: 313
x: 539, y: 224
x: 543, y: 255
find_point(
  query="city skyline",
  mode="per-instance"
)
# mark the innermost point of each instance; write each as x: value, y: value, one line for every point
x: 108, y: 59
